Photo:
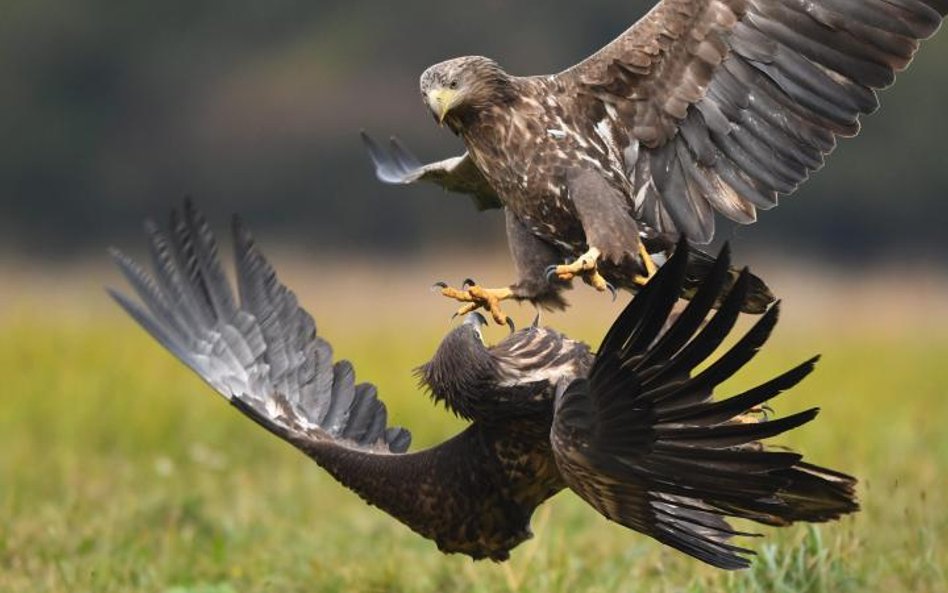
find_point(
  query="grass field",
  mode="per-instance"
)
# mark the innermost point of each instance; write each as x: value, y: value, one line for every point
x: 120, y: 471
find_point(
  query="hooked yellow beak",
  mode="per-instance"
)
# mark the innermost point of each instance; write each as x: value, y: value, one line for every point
x: 441, y: 101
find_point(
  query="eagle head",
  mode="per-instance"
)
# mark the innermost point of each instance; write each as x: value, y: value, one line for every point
x: 516, y: 377
x: 461, y: 369
x: 459, y: 89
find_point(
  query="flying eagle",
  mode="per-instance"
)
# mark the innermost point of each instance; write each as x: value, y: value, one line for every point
x: 633, y: 429
x: 701, y: 106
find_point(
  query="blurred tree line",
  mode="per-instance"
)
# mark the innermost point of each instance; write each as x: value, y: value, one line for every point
x: 111, y: 111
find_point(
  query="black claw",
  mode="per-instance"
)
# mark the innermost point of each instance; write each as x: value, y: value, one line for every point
x: 511, y: 325
x: 612, y: 289
x: 468, y: 283
x: 536, y: 320
x: 438, y: 286
x: 550, y: 273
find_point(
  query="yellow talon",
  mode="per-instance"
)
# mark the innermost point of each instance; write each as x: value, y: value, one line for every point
x: 584, y: 263
x: 465, y: 309
x: 649, y: 263
x: 586, y: 266
x: 595, y: 279
x: 477, y: 297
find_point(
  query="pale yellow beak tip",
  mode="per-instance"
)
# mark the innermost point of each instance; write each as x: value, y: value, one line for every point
x: 441, y: 101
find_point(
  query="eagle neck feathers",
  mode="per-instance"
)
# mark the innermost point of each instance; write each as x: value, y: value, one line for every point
x: 489, y: 102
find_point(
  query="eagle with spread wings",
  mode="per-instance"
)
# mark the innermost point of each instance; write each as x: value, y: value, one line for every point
x: 702, y: 106
x: 632, y: 429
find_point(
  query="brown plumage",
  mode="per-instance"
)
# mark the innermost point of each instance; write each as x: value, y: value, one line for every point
x: 701, y: 106
x: 633, y: 429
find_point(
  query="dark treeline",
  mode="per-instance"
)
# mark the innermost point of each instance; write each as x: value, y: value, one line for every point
x: 113, y: 110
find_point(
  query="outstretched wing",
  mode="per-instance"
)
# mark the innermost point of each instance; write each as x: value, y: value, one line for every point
x: 726, y: 104
x: 642, y: 441
x: 262, y: 352
x: 398, y: 166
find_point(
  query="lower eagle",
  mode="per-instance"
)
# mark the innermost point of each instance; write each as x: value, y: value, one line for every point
x: 632, y: 428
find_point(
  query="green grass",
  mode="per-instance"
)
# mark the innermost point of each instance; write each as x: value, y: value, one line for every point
x: 119, y: 471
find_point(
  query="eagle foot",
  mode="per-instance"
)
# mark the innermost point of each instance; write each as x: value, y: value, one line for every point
x: 477, y: 297
x: 585, y: 267
x: 650, y: 266
x: 581, y: 266
x: 596, y: 280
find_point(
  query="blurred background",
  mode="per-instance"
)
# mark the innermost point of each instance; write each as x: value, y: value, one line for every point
x: 120, y: 472
x: 112, y: 112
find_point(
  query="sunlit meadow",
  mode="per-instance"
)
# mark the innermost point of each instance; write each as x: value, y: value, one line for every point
x: 120, y: 471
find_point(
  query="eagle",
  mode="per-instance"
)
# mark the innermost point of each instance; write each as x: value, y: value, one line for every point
x: 632, y: 429
x: 702, y: 106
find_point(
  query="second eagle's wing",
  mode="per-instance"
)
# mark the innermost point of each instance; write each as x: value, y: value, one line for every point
x: 262, y: 352
x: 398, y: 166
x: 726, y: 104
x: 642, y: 441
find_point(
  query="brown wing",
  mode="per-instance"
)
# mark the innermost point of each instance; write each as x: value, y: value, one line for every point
x: 263, y: 354
x: 642, y: 441
x: 726, y: 104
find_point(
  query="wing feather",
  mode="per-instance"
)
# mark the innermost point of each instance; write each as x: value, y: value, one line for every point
x: 731, y: 103
x: 263, y: 347
x: 642, y: 440
x: 398, y: 166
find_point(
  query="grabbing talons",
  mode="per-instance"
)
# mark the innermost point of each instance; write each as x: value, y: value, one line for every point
x: 650, y: 267
x: 476, y: 297
x: 612, y: 291
x: 586, y: 267
x: 468, y: 308
x: 595, y: 279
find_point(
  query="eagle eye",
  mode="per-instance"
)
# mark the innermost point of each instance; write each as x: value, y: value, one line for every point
x: 453, y: 84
